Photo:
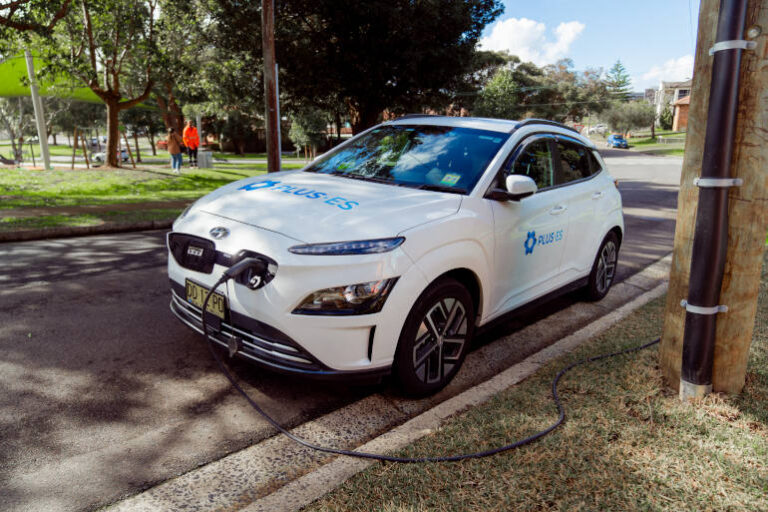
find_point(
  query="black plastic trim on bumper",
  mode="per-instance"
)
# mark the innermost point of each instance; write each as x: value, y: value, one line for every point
x: 274, y: 355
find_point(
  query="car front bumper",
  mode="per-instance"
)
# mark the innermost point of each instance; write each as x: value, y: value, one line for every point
x: 269, y: 333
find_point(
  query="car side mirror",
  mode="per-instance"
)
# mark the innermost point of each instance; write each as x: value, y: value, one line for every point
x: 517, y: 188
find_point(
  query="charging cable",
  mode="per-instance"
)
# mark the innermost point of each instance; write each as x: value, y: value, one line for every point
x: 247, y: 263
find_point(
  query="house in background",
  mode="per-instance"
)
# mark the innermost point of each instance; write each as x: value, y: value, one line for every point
x: 680, y: 121
x: 670, y: 92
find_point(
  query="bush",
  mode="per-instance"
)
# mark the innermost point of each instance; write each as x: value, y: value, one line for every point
x: 666, y: 118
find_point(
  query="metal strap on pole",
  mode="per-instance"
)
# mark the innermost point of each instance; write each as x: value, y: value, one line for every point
x: 703, y: 310
x: 735, y: 44
x: 718, y: 182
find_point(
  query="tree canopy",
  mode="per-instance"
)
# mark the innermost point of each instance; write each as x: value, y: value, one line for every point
x: 380, y: 54
x: 522, y: 89
x: 623, y: 117
x: 339, y: 61
x: 618, y: 82
x: 110, y: 46
x: 38, y: 16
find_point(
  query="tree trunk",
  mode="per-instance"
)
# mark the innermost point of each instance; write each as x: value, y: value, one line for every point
x: 17, y: 151
x: 136, y: 145
x: 363, y: 117
x: 54, y: 139
x: 113, y: 133
x: 152, y: 142
x: 337, y: 122
x: 653, y: 130
x: 172, y: 115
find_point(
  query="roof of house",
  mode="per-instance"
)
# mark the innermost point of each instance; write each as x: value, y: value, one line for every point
x: 686, y: 84
x: 683, y: 101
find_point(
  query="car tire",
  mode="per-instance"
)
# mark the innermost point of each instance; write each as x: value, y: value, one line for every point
x: 604, y: 268
x: 435, y: 338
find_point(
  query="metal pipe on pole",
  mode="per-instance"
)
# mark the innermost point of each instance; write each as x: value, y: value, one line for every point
x: 42, y: 133
x: 271, y: 100
x: 710, y: 240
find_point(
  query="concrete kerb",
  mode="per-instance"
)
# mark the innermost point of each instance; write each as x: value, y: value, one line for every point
x: 64, y: 232
x: 278, y: 475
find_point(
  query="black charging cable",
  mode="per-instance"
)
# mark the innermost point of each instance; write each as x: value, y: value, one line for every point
x: 241, y: 266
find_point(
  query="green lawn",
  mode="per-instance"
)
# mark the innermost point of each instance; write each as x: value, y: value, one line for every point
x: 21, y: 187
x: 59, y: 150
x: 628, y: 443
x: 232, y: 156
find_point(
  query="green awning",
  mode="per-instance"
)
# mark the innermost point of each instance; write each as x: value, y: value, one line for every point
x: 13, y: 71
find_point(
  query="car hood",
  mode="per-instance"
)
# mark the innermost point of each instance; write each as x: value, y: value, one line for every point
x: 314, y: 208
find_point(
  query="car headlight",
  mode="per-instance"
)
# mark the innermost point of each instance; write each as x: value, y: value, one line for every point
x: 344, y: 248
x: 187, y: 210
x: 353, y: 299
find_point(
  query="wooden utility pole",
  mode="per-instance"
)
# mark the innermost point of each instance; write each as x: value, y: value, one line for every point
x: 272, y: 111
x: 747, y: 209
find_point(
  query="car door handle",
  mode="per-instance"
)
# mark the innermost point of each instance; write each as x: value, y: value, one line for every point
x: 557, y: 210
x: 598, y: 195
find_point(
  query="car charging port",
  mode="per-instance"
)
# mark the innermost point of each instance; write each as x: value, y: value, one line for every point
x: 253, y: 270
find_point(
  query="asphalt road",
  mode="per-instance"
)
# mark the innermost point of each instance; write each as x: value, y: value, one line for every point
x: 103, y: 393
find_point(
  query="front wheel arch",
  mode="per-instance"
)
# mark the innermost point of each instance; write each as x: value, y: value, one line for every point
x: 434, y: 339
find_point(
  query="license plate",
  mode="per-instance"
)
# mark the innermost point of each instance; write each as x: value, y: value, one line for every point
x: 217, y: 304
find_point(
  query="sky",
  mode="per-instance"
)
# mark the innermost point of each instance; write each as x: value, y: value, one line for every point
x: 654, y: 39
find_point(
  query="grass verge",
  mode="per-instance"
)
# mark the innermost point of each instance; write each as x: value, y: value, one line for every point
x: 651, y: 145
x: 24, y: 188
x: 627, y: 444
x: 90, y: 219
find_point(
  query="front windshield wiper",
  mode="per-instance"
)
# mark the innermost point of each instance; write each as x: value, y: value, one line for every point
x: 360, y: 177
x: 442, y: 188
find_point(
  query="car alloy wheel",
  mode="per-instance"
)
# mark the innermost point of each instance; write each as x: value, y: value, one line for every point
x: 440, y: 340
x: 604, y: 268
x: 435, y: 338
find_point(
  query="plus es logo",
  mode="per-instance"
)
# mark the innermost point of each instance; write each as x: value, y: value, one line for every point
x: 530, y: 242
x: 545, y: 239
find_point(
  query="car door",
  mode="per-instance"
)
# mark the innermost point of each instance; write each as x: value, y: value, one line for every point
x: 578, y: 170
x: 531, y: 233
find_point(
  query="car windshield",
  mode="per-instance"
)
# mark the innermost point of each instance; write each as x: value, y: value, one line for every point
x: 442, y: 158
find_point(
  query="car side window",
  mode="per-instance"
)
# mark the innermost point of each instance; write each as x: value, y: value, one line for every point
x: 594, y: 163
x: 535, y: 161
x: 574, y: 161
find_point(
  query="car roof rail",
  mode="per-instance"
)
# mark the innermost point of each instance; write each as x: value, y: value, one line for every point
x: 534, y: 120
x: 410, y: 116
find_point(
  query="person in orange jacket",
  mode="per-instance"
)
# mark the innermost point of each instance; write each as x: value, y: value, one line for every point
x: 192, y: 141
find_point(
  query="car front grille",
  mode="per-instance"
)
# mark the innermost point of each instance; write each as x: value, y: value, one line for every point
x: 260, y: 343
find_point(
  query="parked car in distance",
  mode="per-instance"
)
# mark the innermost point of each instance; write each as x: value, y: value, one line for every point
x: 101, y: 156
x: 384, y: 254
x: 598, y: 128
x: 617, y: 141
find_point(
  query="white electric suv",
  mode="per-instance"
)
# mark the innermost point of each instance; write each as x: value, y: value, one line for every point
x: 384, y: 254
